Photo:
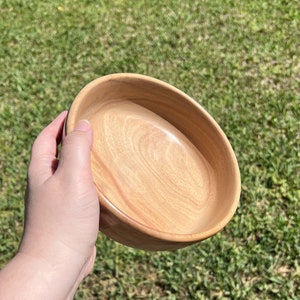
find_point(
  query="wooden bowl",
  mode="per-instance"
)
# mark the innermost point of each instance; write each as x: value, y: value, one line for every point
x: 165, y: 172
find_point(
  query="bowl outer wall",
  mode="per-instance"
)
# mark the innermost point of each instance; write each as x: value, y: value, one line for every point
x: 117, y: 215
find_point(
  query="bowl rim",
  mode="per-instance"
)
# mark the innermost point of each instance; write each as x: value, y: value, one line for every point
x: 162, y: 235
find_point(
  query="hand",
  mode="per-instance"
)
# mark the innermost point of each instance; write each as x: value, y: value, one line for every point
x: 61, y: 212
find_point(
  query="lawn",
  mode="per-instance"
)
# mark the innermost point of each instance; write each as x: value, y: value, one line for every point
x: 239, y: 59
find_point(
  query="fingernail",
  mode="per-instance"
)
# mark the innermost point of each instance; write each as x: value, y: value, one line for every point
x: 83, y: 125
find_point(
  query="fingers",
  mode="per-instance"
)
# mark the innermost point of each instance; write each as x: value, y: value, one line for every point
x: 76, y: 152
x: 43, y: 160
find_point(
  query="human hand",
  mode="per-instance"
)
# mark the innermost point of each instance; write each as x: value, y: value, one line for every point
x: 61, y: 212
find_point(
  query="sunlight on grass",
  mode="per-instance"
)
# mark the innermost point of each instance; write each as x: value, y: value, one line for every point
x: 239, y: 59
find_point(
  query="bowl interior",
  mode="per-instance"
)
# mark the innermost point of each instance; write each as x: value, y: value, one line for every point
x: 158, y: 158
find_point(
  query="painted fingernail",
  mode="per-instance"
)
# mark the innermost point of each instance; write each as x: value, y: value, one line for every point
x: 83, y: 125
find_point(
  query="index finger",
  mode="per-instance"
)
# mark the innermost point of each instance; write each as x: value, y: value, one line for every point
x: 44, y: 151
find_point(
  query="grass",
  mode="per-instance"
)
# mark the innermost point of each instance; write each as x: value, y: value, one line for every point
x: 239, y: 59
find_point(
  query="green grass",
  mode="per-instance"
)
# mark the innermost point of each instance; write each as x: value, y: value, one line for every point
x: 239, y: 59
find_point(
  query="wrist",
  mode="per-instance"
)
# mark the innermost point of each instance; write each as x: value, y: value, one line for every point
x: 54, y: 254
x: 29, y: 277
x: 42, y: 270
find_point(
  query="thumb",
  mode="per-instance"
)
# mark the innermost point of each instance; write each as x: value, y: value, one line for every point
x: 75, y: 158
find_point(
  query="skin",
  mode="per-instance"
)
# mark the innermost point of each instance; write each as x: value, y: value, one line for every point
x: 61, y: 218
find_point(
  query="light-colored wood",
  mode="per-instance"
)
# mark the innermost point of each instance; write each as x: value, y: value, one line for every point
x: 165, y: 172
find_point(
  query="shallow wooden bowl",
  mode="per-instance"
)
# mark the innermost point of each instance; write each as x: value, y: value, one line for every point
x: 164, y: 170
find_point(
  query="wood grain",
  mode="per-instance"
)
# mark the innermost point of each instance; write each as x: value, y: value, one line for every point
x: 149, y: 170
x: 163, y: 168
